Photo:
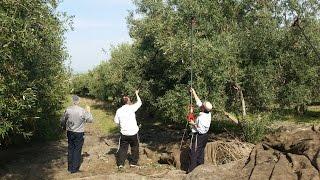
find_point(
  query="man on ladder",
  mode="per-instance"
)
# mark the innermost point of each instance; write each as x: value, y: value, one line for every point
x: 199, y: 130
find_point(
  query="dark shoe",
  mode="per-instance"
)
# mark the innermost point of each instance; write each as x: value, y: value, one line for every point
x: 77, y: 171
x: 85, y: 154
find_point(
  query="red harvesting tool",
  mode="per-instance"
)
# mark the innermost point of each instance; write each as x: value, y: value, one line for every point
x: 191, y: 116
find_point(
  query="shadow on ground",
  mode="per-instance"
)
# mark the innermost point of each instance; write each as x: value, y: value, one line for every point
x: 38, y: 161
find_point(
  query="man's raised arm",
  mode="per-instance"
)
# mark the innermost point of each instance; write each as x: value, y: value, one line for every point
x: 198, y: 101
x: 87, y: 115
x: 138, y: 104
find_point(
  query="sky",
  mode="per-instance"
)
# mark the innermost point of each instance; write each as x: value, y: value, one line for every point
x: 98, y: 24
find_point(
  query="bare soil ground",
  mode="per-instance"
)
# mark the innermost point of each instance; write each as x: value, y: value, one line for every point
x: 49, y: 160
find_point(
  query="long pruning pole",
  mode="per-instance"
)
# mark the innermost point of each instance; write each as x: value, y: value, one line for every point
x: 192, y: 24
x: 296, y: 23
x: 308, y: 40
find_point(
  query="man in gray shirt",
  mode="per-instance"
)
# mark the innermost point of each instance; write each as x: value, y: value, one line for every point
x: 73, y: 120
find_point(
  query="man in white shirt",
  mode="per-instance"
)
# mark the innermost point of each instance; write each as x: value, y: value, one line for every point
x: 126, y: 118
x: 199, y: 132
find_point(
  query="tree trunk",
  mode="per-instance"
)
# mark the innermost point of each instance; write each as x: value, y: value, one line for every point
x: 301, y: 109
x: 243, y: 103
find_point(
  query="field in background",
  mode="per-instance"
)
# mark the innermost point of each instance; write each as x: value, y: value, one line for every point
x: 102, y: 114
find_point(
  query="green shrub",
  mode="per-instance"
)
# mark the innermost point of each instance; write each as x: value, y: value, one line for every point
x: 255, y: 129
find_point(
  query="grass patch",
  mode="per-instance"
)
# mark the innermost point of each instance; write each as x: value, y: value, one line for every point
x: 102, y: 115
x: 104, y: 121
x: 311, y: 116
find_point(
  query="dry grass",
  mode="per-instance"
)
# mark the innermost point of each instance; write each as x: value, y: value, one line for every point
x: 222, y: 152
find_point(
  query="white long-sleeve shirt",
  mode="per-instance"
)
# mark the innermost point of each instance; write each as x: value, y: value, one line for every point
x: 126, y: 118
x: 202, y: 122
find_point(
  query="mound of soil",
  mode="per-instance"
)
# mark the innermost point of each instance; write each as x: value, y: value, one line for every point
x: 286, y: 154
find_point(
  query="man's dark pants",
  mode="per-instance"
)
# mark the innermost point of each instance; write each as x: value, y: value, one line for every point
x: 75, y: 142
x: 196, y: 153
x: 125, y: 141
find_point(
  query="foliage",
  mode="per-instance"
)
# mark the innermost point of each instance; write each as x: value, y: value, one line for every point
x: 79, y: 84
x: 33, y: 79
x: 252, y: 44
x: 173, y: 105
x: 255, y: 129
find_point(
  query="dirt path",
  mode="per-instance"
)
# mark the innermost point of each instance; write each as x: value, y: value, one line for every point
x: 49, y: 160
